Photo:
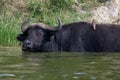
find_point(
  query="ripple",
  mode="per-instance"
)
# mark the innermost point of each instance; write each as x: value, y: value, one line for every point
x: 79, y: 73
x: 75, y: 77
x: 7, y: 75
x: 93, y: 78
x: 65, y: 75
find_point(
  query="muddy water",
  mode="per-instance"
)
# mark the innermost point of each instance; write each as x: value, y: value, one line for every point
x: 18, y: 65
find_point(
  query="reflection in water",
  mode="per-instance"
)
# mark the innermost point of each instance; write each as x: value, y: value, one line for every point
x: 17, y: 65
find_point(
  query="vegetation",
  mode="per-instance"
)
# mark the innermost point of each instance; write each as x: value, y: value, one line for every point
x: 14, y: 12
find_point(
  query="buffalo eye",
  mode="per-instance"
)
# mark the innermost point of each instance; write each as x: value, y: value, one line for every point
x: 39, y: 34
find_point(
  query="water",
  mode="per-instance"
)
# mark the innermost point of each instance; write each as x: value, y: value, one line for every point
x: 17, y: 65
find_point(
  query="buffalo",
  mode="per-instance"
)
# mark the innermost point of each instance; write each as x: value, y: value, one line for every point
x: 75, y: 37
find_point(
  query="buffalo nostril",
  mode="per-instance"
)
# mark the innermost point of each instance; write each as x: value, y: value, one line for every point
x: 27, y: 44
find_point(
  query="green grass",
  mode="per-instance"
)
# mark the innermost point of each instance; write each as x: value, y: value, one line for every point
x: 13, y: 14
x: 8, y: 30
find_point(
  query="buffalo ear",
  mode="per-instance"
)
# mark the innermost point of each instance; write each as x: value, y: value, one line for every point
x: 21, y: 37
x: 50, y: 34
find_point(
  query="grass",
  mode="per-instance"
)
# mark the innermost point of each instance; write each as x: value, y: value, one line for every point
x: 8, y: 30
x: 14, y: 12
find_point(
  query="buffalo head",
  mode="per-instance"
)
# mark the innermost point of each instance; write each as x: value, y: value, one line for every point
x: 35, y: 36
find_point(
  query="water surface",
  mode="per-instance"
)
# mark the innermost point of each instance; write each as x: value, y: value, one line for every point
x: 18, y: 65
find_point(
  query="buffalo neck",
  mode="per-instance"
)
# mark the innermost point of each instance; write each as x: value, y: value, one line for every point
x: 50, y: 46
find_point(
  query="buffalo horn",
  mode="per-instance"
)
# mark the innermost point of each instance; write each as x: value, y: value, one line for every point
x: 23, y: 26
x: 94, y: 24
x: 59, y: 24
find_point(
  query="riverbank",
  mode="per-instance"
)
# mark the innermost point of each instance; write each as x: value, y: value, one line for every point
x: 14, y: 12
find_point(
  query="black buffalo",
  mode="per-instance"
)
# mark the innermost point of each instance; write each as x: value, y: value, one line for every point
x: 78, y: 37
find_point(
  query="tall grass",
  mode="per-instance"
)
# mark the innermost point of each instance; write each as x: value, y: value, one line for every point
x: 8, y: 30
x: 13, y: 14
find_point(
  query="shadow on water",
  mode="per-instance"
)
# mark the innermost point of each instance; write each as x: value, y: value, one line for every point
x: 18, y: 65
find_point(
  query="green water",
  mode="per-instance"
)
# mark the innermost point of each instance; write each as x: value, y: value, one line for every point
x: 16, y: 65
